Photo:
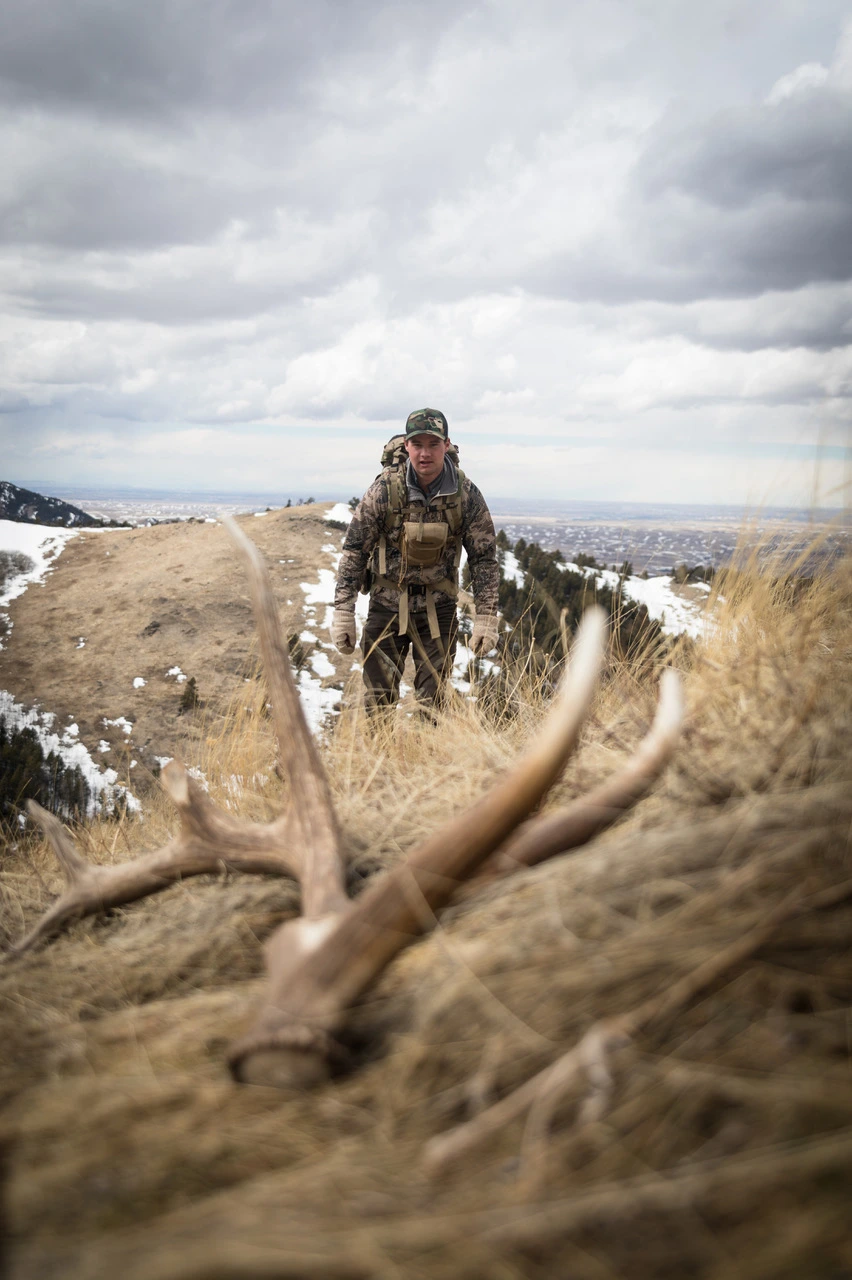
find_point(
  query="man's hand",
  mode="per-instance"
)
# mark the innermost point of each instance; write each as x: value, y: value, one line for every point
x: 484, y: 637
x: 343, y: 631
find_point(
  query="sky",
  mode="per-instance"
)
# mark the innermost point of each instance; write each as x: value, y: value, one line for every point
x: 240, y: 240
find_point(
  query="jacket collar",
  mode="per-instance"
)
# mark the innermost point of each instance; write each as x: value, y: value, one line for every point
x: 444, y: 487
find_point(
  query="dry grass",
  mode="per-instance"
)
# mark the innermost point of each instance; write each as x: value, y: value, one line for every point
x: 722, y: 1148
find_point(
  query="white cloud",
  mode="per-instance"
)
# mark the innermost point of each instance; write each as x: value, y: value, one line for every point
x: 810, y: 75
x: 621, y: 224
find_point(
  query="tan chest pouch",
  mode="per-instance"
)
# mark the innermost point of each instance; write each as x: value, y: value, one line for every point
x: 423, y: 545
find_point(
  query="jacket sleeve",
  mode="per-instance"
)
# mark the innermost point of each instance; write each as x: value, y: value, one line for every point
x: 480, y: 543
x: 361, y: 539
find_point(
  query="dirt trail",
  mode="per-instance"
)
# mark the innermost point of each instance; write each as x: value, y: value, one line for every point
x: 144, y: 601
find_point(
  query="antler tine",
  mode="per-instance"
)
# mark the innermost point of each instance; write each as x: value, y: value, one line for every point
x: 312, y: 813
x: 311, y: 992
x: 209, y: 840
x: 74, y: 868
x: 73, y: 865
x: 553, y: 833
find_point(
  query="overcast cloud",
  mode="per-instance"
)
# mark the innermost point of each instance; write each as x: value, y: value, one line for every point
x: 239, y: 242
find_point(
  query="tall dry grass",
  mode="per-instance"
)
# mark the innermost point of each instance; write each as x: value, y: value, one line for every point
x: 720, y: 1146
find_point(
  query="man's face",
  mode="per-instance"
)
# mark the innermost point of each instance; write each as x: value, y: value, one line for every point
x: 427, y: 456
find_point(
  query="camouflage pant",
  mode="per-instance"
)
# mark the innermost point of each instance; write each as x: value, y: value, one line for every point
x: 385, y: 652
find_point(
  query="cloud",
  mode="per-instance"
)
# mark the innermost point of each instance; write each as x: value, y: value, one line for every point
x: 756, y: 197
x: 160, y: 61
x: 558, y: 224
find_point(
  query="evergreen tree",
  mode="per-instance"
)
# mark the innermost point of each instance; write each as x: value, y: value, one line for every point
x: 27, y: 774
x: 553, y: 597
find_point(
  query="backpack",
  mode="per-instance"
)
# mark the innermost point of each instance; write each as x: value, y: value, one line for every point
x: 393, y: 461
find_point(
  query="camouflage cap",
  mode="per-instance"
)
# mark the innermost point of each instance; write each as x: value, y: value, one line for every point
x: 427, y: 422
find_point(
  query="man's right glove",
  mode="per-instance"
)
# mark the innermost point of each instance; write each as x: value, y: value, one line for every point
x: 484, y: 637
x: 343, y: 631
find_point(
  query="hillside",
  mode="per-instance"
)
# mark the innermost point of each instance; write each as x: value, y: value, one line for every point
x: 710, y: 1138
x: 134, y: 605
x: 23, y: 504
x: 152, y: 638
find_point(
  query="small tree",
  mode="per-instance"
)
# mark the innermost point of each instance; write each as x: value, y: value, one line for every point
x: 189, y: 698
x: 298, y: 653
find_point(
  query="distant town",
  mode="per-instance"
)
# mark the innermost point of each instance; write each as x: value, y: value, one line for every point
x: 653, y: 537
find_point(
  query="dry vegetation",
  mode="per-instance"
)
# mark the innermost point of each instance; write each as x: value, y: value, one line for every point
x: 714, y: 1142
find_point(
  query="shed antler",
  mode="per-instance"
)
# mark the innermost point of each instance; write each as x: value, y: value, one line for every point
x: 321, y: 963
x: 315, y: 979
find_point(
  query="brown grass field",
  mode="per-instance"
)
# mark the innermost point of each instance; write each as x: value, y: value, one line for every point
x: 715, y: 1144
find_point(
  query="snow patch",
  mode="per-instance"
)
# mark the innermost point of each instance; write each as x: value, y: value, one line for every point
x: 41, y: 543
x: 120, y: 722
x: 460, y: 678
x: 321, y: 666
x: 675, y: 614
x: 139, y: 683
x: 321, y: 592
x: 512, y: 570
x: 340, y: 513
x: 104, y: 793
x: 317, y: 703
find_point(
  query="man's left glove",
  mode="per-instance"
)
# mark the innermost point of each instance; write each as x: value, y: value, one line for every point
x: 343, y: 631
x: 484, y: 637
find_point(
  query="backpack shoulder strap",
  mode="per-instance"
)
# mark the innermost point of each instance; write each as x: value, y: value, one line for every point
x: 397, y: 500
x: 454, y: 506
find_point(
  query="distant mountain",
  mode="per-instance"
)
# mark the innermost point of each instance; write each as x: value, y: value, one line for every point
x: 33, y: 508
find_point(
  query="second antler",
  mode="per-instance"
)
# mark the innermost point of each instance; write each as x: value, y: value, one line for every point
x: 321, y: 963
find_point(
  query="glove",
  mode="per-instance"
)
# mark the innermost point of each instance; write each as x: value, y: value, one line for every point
x: 484, y: 637
x: 343, y: 631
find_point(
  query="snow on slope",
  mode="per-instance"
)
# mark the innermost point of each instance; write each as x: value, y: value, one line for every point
x: 339, y: 513
x: 675, y: 614
x: 42, y: 543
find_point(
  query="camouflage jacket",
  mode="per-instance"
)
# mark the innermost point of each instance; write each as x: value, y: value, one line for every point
x: 362, y: 540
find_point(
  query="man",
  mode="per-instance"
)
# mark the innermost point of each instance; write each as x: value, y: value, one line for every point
x: 406, y: 539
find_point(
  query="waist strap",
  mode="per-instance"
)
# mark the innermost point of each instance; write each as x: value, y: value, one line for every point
x: 445, y: 585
